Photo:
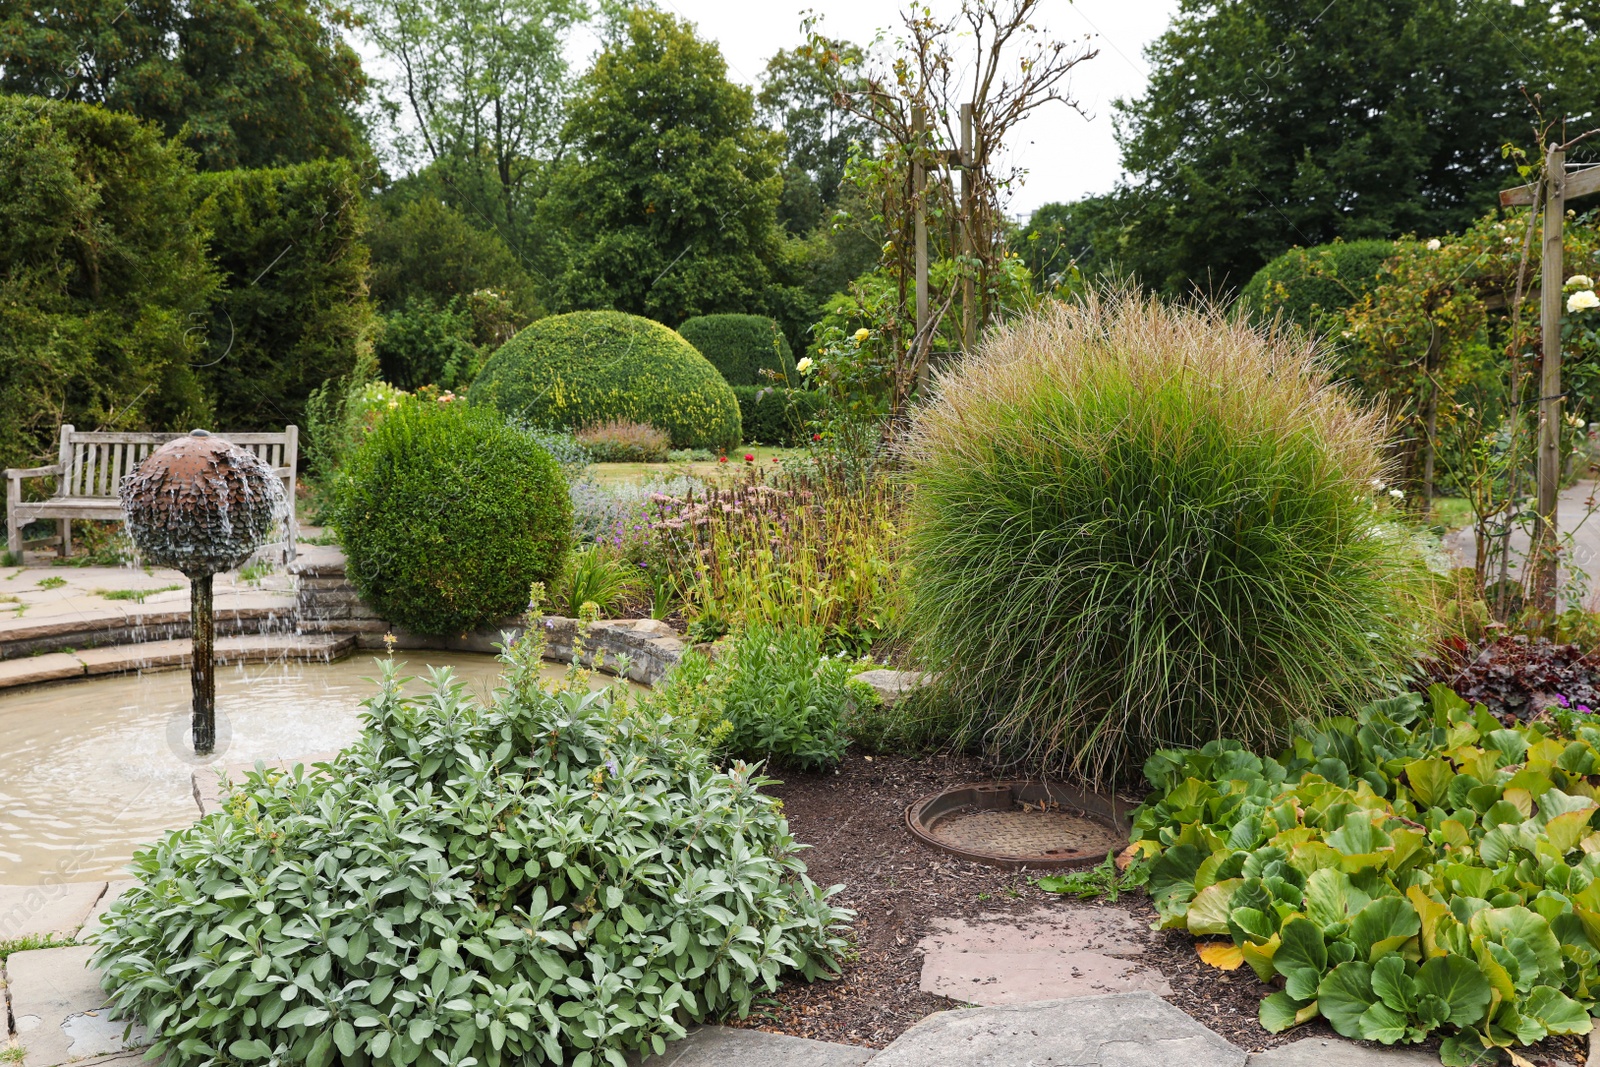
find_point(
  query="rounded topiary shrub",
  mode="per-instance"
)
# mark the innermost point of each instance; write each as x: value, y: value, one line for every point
x: 741, y: 347
x: 447, y: 515
x: 1312, y: 287
x: 589, y: 367
x: 551, y: 879
x: 1136, y: 526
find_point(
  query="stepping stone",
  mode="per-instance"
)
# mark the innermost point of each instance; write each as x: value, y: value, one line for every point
x: 721, y: 1046
x: 1331, y: 1052
x: 1046, y: 955
x: 1120, y: 1030
x: 59, y: 1011
x: 41, y: 910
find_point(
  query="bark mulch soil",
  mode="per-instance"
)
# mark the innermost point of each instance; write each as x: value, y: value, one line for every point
x: 854, y: 821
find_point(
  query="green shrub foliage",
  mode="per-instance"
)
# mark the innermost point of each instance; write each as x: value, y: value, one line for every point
x: 294, y: 311
x: 447, y: 515
x: 771, y: 695
x: 546, y: 880
x: 741, y: 347
x: 588, y: 367
x: 1418, y: 867
x: 1311, y: 287
x: 1134, y: 525
x: 427, y: 252
x: 102, y: 270
x: 772, y: 415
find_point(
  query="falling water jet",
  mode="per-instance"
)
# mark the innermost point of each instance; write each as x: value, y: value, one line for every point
x: 201, y: 505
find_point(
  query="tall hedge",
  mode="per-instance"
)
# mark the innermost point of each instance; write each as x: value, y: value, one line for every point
x: 775, y: 416
x: 584, y: 368
x: 741, y: 347
x: 1312, y: 287
x: 101, y: 268
x: 294, y: 311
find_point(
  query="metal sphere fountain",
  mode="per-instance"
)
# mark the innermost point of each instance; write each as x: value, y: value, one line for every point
x: 201, y: 505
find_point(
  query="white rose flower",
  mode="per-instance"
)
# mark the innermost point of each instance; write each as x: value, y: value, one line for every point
x: 1583, y: 300
x: 1580, y: 281
x: 1435, y: 244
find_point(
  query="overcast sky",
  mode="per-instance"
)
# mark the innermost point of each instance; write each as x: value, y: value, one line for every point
x: 1067, y: 156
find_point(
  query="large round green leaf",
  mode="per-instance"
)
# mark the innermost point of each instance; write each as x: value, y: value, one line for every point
x: 1344, y: 996
x: 1458, y: 982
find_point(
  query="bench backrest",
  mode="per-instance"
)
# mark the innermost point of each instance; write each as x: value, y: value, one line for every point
x: 94, y: 462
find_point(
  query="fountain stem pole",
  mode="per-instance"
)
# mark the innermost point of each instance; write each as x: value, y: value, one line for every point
x: 202, y: 673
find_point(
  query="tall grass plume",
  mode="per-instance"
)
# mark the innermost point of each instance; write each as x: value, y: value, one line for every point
x: 1136, y: 525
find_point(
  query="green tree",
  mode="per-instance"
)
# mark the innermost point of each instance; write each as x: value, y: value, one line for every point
x: 294, y: 311
x: 668, y: 206
x: 481, y: 84
x: 102, y: 274
x: 425, y: 250
x: 798, y: 97
x: 1063, y: 244
x: 1270, y: 123
x: 246, y: 84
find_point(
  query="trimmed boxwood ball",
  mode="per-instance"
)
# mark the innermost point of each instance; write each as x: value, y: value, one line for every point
x: 447, y: 515
x: 1312, y: 287
x: 552, y: 879
x: 588, y: 367
x: 1137, y: 526
x: 741, y: 347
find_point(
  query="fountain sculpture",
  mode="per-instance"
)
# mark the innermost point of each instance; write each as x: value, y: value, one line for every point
x: 201, y: 505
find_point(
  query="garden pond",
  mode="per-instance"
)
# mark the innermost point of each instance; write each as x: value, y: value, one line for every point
x: 93, y: 770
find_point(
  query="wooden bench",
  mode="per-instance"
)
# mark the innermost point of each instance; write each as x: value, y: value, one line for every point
x: 93, y: 463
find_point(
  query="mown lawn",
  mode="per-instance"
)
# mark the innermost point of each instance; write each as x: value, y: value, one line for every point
x: 624, y: 473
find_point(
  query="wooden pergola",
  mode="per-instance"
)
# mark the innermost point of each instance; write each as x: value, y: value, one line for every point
x: 1553, y: 190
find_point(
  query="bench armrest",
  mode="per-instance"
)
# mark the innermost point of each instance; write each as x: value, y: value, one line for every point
x: 18, y: 473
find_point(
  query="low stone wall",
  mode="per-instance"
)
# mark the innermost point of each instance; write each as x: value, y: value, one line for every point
x: 327, y: 603
x: 136, y: 626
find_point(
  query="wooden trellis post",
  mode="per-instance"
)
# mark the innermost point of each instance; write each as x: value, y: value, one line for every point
x: 960, y: 159
x: 919, y: 187
x: 1557, y: 189
x: 969, y: 301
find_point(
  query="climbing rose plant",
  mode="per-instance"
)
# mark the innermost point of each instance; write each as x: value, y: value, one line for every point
x: 1417, y: 867
x: 549, y: 879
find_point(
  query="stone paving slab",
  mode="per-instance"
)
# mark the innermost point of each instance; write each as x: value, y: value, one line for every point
x: 721, y: 1046
x: 41, y: 910
x: 1120, y: 1030
x: 1330, y: 1052
x: 1045, y: 955
x: 31, y: 670
x: 59, y: 1010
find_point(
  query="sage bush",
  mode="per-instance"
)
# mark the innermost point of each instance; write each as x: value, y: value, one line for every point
x: 1137, y: 525
x: 547, y: 879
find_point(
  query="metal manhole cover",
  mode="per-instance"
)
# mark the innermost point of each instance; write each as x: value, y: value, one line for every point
x: 1021, y: 824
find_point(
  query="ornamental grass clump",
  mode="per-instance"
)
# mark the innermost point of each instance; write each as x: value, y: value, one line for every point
x: 1135, y: 525
x: 548, y: 879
